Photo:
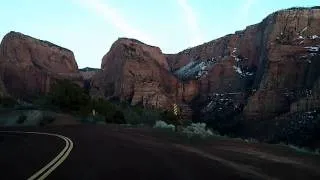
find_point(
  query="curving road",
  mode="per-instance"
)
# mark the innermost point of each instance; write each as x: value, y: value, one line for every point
x: 54, y: 163
x: 113, y: 152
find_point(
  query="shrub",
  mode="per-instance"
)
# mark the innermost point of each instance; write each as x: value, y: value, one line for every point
x: 170, y: 118
x: 164, y: 125
x: 118, y: 117
x: 46, y: 119
x: 150, y: 117
x: 7, y: 102
x: 101, y: 123
x: 132, y: 117
x: 22, y: 119
x: 67, y: 96
x: 304, y: 150
x: 197, y: 129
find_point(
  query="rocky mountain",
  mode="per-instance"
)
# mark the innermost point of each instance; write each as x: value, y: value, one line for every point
x: 29, y: 66
x: 265, y: 70
x: 135, y: 72
x: 87, y: 73
x: 272, y: 64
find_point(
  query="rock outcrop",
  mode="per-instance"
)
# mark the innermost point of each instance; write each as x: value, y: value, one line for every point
x: 87, y: 73
x: 134, y: 72
x: 272, y: 63
x: 29, y: 66
x: 292, y: 59
x: 138, y: 73
x: 263, y: 70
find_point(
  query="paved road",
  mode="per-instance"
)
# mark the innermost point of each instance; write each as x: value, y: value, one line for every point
x: 104, y: 152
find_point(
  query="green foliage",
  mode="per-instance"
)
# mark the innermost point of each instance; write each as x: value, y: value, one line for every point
x: 68, y: 96
x: 118, y: 117
x: 7, y: 102
x: 303, y: 150
x: 21, y: 119
x: 197, y: 129
x: 97, y: 119
x: 170, y: 118
x: 103, y: 107
x: 164, y: 125
x: 46, y: 119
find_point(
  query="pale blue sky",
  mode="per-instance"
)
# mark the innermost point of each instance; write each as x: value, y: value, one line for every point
x: 89, y: 27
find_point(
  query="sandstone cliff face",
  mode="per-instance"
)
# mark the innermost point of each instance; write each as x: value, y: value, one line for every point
x: 29, y: 66
x: 293, y: 56
x: 137, y: 73
x: 263, y: 70
x: 273, y: 63
x: 87, y: 73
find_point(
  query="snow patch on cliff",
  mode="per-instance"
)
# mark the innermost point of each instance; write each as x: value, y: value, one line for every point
x: 242, y: 72
x: 195, y: 69
x: 314, y: 37
x: 313, y: 48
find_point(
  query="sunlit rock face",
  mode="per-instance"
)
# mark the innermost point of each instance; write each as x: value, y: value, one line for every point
x: 29, y: 66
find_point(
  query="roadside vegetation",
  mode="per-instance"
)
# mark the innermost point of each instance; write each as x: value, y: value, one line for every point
x: 67, y: 97
x: 7, y: 102
x: 70, y: 98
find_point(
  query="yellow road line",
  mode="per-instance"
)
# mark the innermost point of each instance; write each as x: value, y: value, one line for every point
x: 53, y: 164
x: 58, y: 162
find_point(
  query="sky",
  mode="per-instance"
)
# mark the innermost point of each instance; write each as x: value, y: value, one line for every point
x: 89, y: 27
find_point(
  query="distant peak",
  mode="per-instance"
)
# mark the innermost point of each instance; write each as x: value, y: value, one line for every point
x: 87, y: 69
x: 303, y: 8
x: 120, y: 39
x: 18, y: 35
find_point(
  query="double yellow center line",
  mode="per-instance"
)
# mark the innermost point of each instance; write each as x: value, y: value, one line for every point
x: 52, y: 165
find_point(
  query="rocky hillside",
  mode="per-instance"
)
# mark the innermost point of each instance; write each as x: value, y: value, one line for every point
x: 87, y: 73
x: 29, y: 66
x: 272, y: 64
x: 135, y: 72
x: 139, y: 73
x: 266, y: 70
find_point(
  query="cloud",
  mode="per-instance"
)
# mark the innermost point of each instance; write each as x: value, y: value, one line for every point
x: 191, y: 19
x: 245, y: 8
x: 115, y: 18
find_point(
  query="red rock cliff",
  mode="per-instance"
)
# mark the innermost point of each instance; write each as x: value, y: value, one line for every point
x: 138, y: 73
x: 28, y: 66
x: 276, y: 58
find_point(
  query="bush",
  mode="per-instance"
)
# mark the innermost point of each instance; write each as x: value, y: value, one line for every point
x: 101, y: 123
x: 118, y: 117
x: 67, y: 96
x: 164, y: 125
x: 170, y: 118
x: 46, y: 119
x: 132, y: 117
x: 7, y: 102
x: 22, y: 119
x: 197, y: 129
x: 150, y: 117
x: 305, y: 150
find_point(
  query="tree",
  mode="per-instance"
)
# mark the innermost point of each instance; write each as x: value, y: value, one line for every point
x: 118, y: 117
x: 170, y: 118
x: 68, y: 96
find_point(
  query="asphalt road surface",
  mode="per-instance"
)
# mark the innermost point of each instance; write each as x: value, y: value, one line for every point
x: 113, y: 152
